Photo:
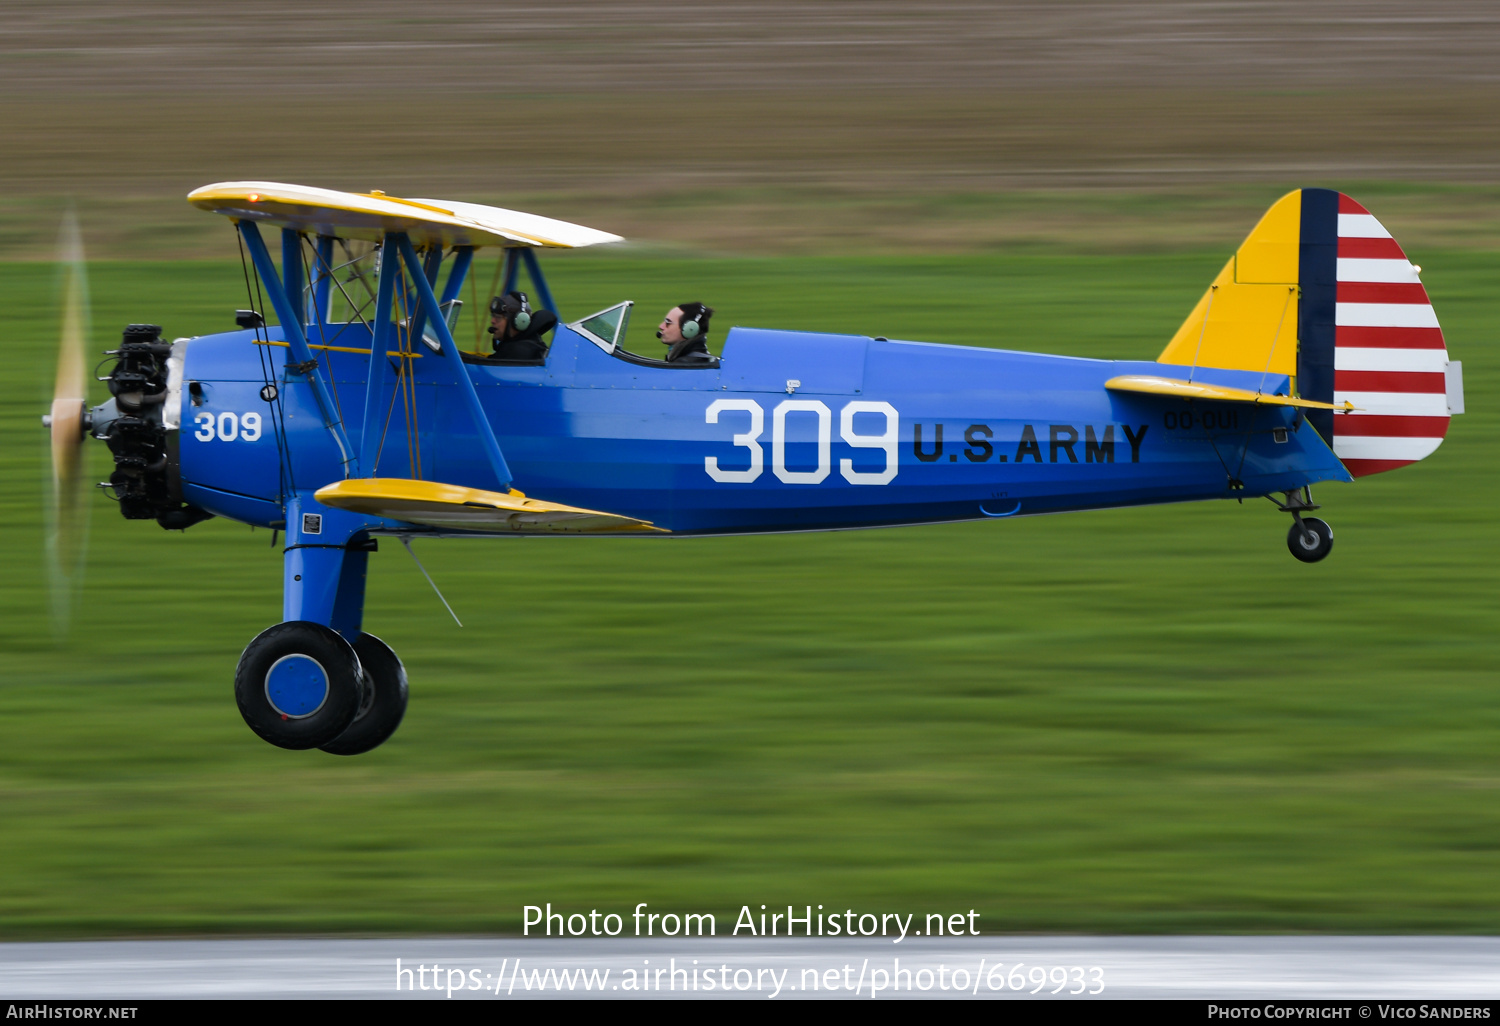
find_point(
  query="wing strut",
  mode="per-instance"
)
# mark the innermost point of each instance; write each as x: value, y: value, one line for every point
x: 380, y: 342
x: 291, y: 275
x: 317, y: 303
x: 456, y: 275
x: 514, y: 259
x: 288, y: 312
x: 534, y: 272
x: 450, y: 350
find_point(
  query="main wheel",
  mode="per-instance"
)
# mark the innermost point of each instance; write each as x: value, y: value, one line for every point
x: 383, y: 703
x: 298, y: 684
x: 1311, y: 541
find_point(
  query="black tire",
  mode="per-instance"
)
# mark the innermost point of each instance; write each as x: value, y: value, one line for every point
x: 1310, y: 542
x: 383, y: 703
x: 298, y: 685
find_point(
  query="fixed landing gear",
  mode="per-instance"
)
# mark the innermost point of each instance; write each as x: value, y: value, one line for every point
x: 300, y: 685
x: 1310, y: 539
x: 382, y: 703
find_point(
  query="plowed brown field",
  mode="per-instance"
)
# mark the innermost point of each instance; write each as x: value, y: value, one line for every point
x: 759, y: 128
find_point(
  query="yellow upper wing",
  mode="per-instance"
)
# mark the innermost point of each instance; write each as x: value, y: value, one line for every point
x: 471, y: 509
x: 352, y: 215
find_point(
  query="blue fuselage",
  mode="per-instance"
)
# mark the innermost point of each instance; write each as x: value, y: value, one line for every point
x: 792, y: 431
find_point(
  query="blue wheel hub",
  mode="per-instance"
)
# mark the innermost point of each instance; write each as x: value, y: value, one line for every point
x: 296, y: 686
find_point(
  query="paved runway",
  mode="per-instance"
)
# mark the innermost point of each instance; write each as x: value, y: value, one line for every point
x: 1245, y: 968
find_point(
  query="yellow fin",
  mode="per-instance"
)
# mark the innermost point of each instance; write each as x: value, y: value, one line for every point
x: 471, y: 509
x: 1247, y: 320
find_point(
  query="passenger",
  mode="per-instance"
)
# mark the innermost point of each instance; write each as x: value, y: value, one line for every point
x: 684, y: 331
x: 518, y: 332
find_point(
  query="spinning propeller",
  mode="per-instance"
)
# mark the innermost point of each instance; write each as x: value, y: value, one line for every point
x: 67, y: 512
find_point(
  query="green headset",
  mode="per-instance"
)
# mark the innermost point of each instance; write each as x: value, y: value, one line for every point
x: 515, y: 307
x: 692, y: 328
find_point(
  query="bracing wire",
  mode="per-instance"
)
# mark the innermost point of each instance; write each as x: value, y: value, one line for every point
x: 1249, y: 432
x: 1203, y: 330
x: 398, y: 301
x: 1277, y: 337
x: 257, y: 300
x: 261, y: 353
x: 357, y: 274
x: 1255, y: 409
x: 411, y: 384
x: 389, y: 410
x: 356, y: 311
x: 409, y: 391
x: 405, y: 540
x: 474, y: 308
x: 330, y: 272
x: 333, y: 385
x: 494, y: 286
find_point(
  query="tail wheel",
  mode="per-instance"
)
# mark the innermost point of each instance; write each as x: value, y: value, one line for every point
x: 383, y: 702
x: 298, y: 685
x: 1310, y: 539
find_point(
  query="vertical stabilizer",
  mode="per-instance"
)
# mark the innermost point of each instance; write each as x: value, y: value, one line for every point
x: 1321, y: 291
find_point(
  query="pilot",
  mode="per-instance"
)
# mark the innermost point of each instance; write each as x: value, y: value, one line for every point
x: 684, y: 331
x: 518, y: 331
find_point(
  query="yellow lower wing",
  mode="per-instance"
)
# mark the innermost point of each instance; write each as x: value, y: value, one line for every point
x: 1151, y: 384
x: 471, y: 509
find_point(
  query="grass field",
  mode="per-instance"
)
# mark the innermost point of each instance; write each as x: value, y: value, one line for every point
x: 1143, y: 720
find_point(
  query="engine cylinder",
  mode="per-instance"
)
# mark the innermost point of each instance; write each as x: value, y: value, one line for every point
x: 143, y: 443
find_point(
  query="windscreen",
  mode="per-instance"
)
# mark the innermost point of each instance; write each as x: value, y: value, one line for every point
x: 607, y: 326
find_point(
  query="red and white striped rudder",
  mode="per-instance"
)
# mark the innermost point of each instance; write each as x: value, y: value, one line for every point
x: 1390, y: 359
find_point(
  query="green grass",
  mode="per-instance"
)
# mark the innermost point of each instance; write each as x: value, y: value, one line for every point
x: 1137, y: 720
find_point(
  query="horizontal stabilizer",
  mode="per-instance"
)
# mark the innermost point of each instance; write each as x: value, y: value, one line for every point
x: 1151, y: 384
x: 470, y: 509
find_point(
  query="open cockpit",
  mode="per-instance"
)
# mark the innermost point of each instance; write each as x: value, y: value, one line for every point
x: 606, y: 329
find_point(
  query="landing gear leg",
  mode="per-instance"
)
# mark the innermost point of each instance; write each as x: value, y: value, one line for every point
x: 1310, y: 539
x: 317, y: 680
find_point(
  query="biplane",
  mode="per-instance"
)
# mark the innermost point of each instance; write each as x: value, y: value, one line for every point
x: 1314, y: 356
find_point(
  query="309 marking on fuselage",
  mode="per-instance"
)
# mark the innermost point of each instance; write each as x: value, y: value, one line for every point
x: 227, y: 427
x: 1063, y: 442
x: 888, y: 440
